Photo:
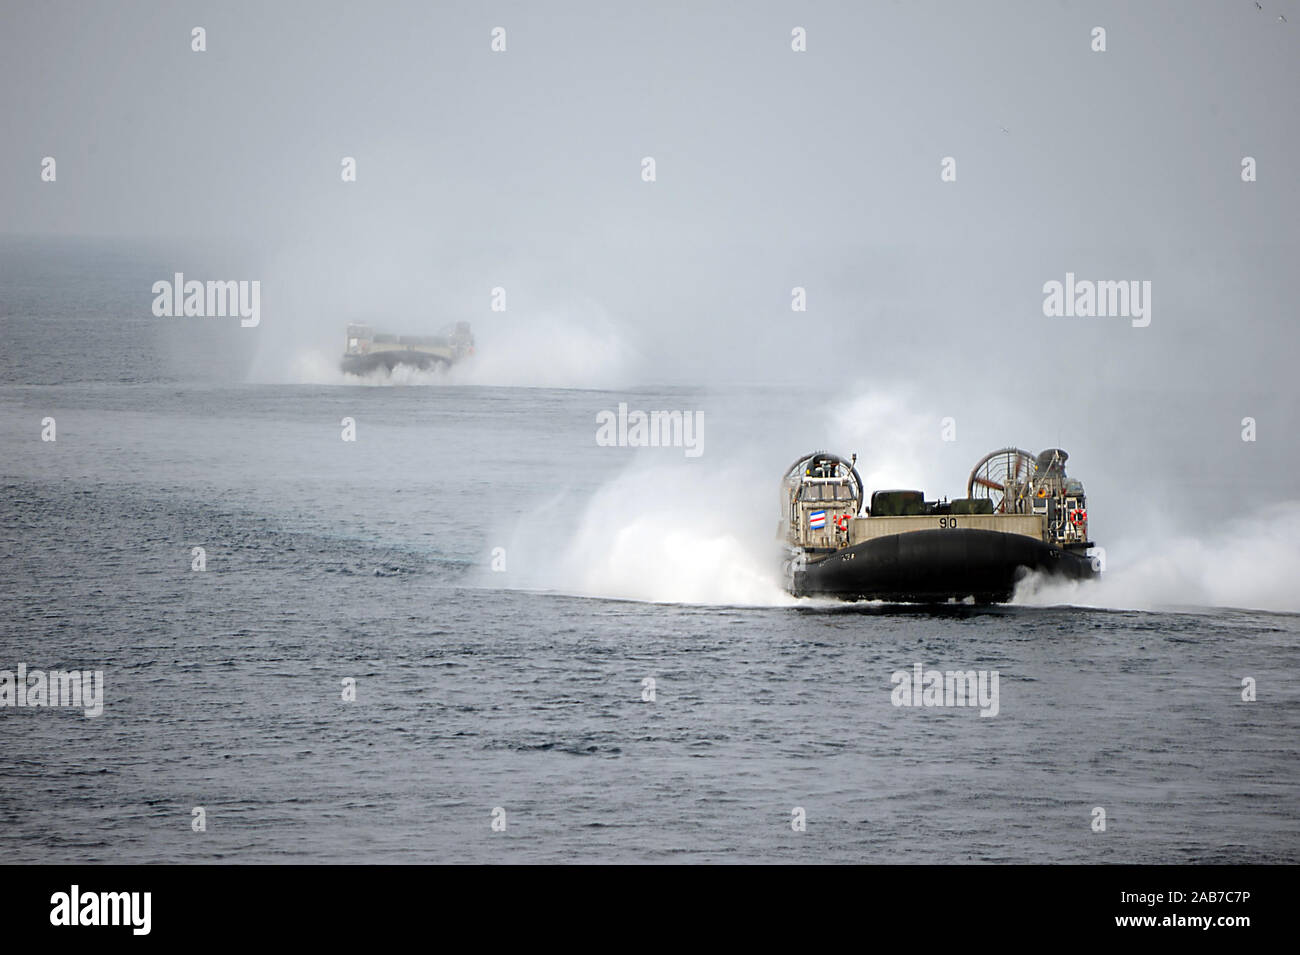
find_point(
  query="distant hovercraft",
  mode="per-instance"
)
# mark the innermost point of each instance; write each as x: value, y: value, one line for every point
x: 367, y: 350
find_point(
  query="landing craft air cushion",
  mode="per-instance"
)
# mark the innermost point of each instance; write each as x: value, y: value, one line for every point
x: 1022, y: 513
x: 367, y: 350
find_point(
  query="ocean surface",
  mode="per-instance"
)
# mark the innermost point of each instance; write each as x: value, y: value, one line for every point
x: 500, y: 588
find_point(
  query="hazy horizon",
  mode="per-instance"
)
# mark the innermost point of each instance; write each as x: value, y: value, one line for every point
x: 775, y: 170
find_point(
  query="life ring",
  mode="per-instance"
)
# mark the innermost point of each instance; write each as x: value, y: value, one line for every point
x: 1078, y: 517
x: 1042, y: 492
x: 842, y: 522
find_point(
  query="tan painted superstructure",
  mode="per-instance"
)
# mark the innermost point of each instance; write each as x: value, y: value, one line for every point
x: 861, y: 529
x: 865, y: 528
x: 839, y: 495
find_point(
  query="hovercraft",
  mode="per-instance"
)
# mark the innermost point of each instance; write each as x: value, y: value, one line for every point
x: 1021, y: 514
x: 367, y: 349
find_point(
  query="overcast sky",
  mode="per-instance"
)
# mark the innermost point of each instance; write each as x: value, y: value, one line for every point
x: 775, y: 169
